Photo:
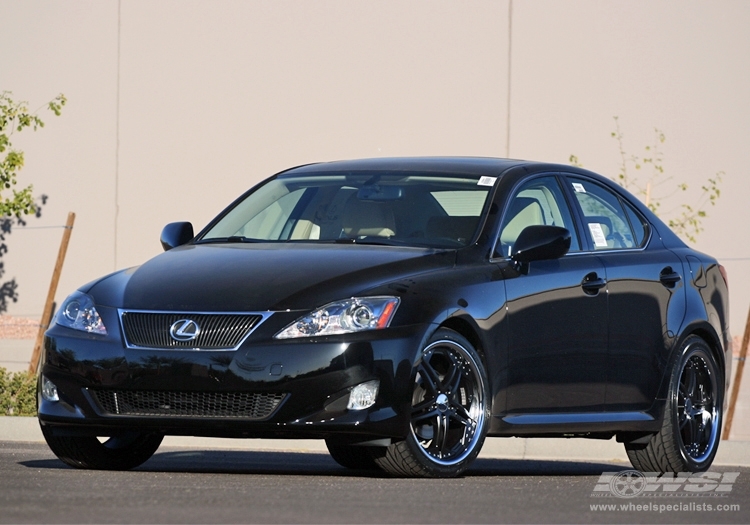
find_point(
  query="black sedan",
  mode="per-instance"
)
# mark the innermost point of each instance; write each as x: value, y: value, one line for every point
x: 403, y: 310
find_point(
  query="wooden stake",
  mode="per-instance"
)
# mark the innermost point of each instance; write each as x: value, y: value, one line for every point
x: 737, y: 379
x: 47, y: 314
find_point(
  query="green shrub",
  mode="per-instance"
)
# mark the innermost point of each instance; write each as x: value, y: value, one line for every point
x: 17, y: 393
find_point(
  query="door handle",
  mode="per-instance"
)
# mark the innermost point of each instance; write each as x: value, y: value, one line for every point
x: 592, y: 283
x: 669, y: 277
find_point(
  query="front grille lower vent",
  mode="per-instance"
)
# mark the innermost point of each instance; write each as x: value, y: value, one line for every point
x: 214, y: 331
x: 241, y: 405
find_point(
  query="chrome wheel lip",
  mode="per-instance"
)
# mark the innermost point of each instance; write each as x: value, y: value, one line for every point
x: 692, y: 401
x: 445, y: 408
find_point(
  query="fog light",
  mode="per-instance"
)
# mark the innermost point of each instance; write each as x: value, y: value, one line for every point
x: 363, y: 396
x: 49, y: 390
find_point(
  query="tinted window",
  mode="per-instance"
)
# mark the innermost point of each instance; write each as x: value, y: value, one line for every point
x: 539, y: 201
x: 605, y: 221
x: 419, y: 209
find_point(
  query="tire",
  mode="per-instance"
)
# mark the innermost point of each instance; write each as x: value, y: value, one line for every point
x: 352, y: 456
x: 691, y: 430
x: 449, y: 412
x: 116, y: 453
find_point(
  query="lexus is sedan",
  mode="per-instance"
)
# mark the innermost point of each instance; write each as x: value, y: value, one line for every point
x: 403, y: 310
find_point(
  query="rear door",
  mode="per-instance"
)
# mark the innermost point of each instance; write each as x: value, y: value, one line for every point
x: 645, y: 292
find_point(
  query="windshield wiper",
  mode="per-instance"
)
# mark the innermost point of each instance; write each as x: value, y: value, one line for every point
x: 232, y: 238
x: 376, y: 241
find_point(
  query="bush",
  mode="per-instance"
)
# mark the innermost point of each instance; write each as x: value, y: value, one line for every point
x: 17, y: 393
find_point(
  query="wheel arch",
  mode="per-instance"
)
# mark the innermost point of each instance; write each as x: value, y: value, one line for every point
x: 706, y: 332
x: 719, y: 352
x: 492, y: 360
x: 713, y: 342
x: 469, y: 331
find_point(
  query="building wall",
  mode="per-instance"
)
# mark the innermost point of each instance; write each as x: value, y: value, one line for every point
x: 176, y: 107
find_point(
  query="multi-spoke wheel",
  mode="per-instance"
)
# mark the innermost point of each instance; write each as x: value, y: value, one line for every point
x: 449, y: 411
x: 121, y: 452
x: 690, y: 433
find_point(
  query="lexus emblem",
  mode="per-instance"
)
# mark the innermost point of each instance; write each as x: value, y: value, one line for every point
x: 184, y: 330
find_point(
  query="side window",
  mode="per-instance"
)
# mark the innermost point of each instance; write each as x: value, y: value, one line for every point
x: 605, y: 221
x: 539, y: 201
x: 638, y: 224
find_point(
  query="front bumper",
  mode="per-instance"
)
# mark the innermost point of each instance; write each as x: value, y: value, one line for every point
x: 311, y: 378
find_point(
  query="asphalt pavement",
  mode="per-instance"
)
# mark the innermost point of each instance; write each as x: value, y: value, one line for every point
x: 183, y: 485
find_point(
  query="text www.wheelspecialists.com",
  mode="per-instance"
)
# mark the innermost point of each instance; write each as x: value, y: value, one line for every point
x: 665, y: 507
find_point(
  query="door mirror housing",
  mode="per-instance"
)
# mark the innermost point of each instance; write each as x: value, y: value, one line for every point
x: 539, y: 243
x: 176, y: 234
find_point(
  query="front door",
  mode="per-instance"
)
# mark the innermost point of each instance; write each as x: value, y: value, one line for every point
x: 557, y: 315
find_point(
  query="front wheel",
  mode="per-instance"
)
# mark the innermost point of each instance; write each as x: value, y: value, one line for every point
x: 690, y: 433
x: 121, y: 452
x: 449, y: 411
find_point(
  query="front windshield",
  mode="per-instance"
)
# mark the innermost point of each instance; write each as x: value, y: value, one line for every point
x: 371, y: 208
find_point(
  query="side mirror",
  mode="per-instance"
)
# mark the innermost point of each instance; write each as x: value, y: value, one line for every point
x: 176, y: 234
x: 538, y: 243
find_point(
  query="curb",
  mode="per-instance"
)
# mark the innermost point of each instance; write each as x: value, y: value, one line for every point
x: 734, y: 453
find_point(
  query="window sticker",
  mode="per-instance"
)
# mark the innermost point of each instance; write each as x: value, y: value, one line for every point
x: 597, y: 233
x: 579, y: 187
x: 487, y: 181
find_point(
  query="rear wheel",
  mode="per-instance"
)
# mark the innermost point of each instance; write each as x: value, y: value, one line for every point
x: 449, y: 412
x: 121, y: 452
x: 690, y: 433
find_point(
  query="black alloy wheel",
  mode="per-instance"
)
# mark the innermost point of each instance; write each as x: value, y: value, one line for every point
x: 449, y: 411
x: 691, y: 431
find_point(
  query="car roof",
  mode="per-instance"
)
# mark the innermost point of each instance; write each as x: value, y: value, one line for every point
x: 464, y: 165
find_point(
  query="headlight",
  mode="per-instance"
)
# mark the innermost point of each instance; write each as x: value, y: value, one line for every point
x: 79, y: 313
x: 343, y: 317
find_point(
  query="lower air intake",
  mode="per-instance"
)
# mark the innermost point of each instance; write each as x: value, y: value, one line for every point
x: 240, y: 405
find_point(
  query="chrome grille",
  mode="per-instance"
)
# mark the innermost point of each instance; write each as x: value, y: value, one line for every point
x: 241, y: 405
x: 217, y: 331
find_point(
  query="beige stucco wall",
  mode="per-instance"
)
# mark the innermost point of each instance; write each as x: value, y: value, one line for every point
x: 176, y: 107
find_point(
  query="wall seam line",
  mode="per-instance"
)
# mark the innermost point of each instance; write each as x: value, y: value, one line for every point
x: 510, y: 64
x: 117, y: 134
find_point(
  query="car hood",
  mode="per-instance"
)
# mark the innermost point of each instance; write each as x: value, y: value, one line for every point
x: 261, y: 277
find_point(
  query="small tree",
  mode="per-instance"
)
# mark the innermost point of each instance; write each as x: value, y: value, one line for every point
x: 17, y: 393
x: 14, y: 118
x: 655, y: 187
